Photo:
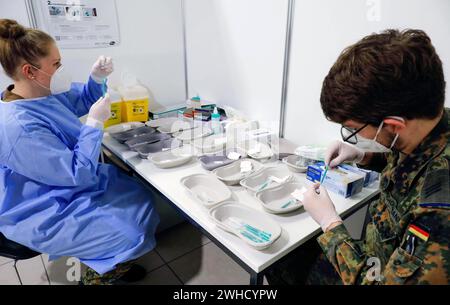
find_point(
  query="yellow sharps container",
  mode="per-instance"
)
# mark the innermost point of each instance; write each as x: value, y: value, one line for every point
x: 135, y: 103
x: 116, y: 109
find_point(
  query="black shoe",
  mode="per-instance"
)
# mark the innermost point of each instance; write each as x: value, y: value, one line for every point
x: 135, y: 274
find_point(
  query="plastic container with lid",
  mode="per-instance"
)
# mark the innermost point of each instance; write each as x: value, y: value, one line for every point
x: 195, y: 102
x: 116, y: 109
x: 135, y: 104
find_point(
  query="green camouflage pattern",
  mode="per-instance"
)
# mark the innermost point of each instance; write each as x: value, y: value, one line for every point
x: 91, y: 277
x: 415, y: 190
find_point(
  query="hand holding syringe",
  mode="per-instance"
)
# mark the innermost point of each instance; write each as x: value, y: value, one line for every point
x: 322, y: 179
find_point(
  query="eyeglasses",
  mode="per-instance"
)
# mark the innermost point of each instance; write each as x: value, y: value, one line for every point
x: 349, y: 135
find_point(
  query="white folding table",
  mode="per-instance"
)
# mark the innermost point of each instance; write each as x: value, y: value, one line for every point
x: 297, y: 227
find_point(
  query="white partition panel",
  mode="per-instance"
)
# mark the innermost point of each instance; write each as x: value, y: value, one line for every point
x: 235, y: 51
x: 151, y: 47
x: 323, y: 28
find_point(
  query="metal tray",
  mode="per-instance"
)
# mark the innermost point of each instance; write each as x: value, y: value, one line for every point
x: 151, y: 148
x: 122, y: 137
x: 211, y: 162
x: 146, y: 139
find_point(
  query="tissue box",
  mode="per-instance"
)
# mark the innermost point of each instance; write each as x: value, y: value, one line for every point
x: 338, y: 180
x: 369, y: 176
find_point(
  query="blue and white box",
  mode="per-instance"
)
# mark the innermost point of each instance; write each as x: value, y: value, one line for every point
x: 337, y: 180
x: 369, y: 176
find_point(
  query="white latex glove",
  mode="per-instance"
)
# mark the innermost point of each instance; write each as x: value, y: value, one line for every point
x: 100, y: 112
x: 339, y: 152
x: 102, y: 68
x: 319, y: 206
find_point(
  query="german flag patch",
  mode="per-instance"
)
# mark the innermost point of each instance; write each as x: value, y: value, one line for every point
x: 419, y: 232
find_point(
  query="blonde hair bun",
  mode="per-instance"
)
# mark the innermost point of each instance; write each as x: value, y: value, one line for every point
x: 10, y: 29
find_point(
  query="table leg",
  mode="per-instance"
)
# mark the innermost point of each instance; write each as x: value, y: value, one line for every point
x: 256, y: 278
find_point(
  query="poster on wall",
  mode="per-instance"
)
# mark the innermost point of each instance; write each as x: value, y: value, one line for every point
x: 80, y: 23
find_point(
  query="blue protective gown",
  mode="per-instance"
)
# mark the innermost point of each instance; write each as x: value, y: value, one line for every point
x: 55, y: 197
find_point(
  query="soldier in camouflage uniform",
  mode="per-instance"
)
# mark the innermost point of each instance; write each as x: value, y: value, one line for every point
x: 395, y: 78
x: 414, y: 192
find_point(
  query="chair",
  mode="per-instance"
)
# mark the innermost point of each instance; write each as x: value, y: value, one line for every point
x: 16, y: 252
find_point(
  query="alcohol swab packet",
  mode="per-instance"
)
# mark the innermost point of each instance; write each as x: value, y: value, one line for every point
x: 299, y: 194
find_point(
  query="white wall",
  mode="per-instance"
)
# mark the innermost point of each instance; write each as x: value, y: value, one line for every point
x: 151, y: 46
x: 12, y: 10
x: 235, y: 53
x: 323, y: 28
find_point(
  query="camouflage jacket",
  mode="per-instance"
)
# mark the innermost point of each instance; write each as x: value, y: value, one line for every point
x: 407, y: 240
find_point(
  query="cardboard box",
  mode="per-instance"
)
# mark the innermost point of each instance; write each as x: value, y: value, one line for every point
x: 369, y: 176
x: 338, y: 180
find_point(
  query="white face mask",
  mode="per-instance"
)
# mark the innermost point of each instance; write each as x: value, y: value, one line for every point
x: 371, y: 145
x: 60, y: 82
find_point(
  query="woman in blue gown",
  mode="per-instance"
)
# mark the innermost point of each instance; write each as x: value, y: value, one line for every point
x: 55, y: 196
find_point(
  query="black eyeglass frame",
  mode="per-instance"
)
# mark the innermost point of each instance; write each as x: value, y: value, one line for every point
x: 353, y: 133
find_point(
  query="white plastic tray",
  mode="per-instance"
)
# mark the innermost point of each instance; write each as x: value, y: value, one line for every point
x: 206, y: 189
x: 265, y: 152
x: 171, y: 158
x: 192, y: 134
x: 260, y: 180
x: 293, y: 161
x: 279, y: 199
x: 210, y: 144
x: 253, y: 227
x: 231, y: 174
x: 123, y: 127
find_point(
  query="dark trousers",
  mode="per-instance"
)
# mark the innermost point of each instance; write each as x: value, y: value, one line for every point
x: 307, y: 265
